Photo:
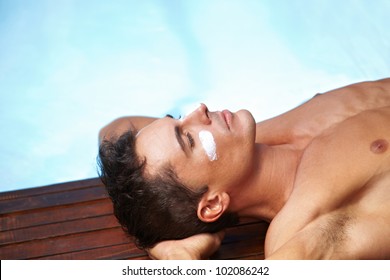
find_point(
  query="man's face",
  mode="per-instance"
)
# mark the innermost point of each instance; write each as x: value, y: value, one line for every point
x: 204, y: 148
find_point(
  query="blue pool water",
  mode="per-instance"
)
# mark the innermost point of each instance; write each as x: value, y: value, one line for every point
x: 69, y: 67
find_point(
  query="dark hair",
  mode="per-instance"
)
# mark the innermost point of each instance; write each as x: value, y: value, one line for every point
x: 151, y: 209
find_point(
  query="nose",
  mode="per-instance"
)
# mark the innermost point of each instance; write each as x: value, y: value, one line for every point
x: 198, y: 116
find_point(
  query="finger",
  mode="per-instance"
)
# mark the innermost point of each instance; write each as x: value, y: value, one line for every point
x: 148, y: 251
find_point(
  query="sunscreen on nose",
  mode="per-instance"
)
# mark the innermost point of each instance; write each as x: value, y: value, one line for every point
x: 208, y: 144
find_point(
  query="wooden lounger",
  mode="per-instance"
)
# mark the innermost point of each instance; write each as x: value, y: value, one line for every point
x: 74, y: 220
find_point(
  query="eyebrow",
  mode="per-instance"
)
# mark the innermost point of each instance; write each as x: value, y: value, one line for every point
x: 179, y: 139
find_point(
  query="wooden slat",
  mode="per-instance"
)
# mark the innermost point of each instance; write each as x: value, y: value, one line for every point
x: 74, y: 221
x: 58, y: 229
x: 252, y: 257
x: 244, y: 248
x: 52, y: 199
x: 64, y: 244
x: 243, y: 241
x: 246, y: 230
x: 115, y: 252
x: 56, y: 214
x: 61, y: 187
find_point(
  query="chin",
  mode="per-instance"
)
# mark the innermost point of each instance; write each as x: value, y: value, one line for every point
x: 247, y: 122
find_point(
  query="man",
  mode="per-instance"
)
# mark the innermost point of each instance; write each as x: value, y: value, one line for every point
x: 320, y: 174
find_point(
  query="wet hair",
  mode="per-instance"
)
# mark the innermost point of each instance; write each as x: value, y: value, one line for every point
x: 151, y: 208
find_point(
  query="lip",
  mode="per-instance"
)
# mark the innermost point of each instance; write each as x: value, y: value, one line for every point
x: 227, y: 116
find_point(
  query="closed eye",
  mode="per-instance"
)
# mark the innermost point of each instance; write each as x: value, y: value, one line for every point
x: 191, y: 141
x: 172, y: 117
x: 179, y: 138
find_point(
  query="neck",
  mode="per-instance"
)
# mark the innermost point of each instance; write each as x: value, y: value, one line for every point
x: 266, y: 190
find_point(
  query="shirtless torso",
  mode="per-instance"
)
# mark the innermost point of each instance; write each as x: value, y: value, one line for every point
x: 338, y: 207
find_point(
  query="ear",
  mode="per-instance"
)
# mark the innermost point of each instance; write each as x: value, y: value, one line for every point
x: 212, y: 206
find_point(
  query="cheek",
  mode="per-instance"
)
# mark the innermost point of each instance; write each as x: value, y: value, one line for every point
x: 232, y: 150
x: 208, y: 144
x: 194, y: 172
x: 235, y: 157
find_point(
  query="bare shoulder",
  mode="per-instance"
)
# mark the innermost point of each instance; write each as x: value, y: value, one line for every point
x: 342, y: 161
x: 380, y: 86
x: 301, y: 124
x: 364, y: 95
x: 341, y: 192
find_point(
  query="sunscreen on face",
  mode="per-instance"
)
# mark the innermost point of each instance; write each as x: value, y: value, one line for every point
x: 208, y: 144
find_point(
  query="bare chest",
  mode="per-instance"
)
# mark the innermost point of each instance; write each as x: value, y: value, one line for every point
x: 360, y: 228
x: 367, y: 229
x: 339, y: 206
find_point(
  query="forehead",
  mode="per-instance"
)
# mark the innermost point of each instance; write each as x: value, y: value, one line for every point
x: 157, y: 143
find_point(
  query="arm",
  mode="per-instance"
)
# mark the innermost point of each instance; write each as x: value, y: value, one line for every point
x: 197, y: 247
x: 295, y: 249
x: 123, y: 124
x: 301, y: 124
x: 313, y: 242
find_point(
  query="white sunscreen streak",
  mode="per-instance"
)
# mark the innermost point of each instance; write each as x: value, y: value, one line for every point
x: 208, y: 143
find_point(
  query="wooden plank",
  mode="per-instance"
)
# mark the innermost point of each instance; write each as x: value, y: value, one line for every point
x: 56, y: 214
x: 243, y: 241
x: 241, y: 249
x: 58, y: 229
x: 61, y: 187
x: 52, y: 199
x: 115, y: 252
x: 64, y: 244
x: 93, y: 245
x: 146, y: 257
x: 74, y: 220
x: 247, y: 230
x: 252, y: 257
